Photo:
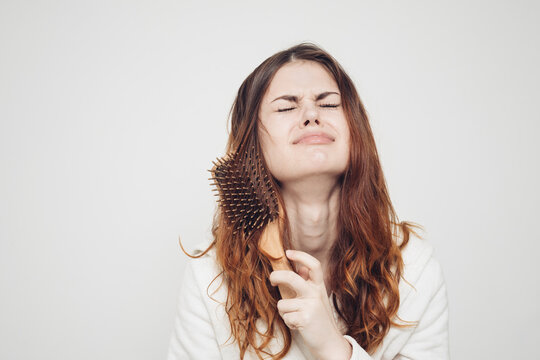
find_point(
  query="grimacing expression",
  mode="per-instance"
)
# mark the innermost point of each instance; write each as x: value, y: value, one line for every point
x: 303, y: 130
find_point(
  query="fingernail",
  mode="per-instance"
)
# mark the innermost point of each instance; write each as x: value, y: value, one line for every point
x: 288, y: 252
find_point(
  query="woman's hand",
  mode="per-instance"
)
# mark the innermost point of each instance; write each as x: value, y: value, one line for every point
x: 310, y: 312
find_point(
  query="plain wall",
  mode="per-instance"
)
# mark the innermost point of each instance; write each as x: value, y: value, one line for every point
x: 112, y: 111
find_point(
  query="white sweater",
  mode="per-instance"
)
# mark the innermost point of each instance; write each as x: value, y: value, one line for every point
x: 202, y: 327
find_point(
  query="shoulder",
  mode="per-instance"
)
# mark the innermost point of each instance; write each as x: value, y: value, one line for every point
x: 204, y: 286
x: 416, y: 250
x: 422, y: 273
x: 204, y: 271
x: 423, y: 305
x: 201, y: 327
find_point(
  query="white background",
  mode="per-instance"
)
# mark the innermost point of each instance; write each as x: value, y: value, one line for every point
x: 112, y: 111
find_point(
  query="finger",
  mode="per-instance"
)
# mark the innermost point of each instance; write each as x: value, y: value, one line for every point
x: 313, y: 265
x: 289, y: 305
x: 292, y: 280
x: 293, y: 320
x: 303, y: 272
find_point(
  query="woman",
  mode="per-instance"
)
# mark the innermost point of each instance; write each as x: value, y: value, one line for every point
x: 366, y: 287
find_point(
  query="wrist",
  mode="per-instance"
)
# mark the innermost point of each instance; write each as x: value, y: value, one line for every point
x: 339, y: 349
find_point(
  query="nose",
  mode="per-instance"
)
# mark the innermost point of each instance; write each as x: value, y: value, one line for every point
x: 306, y: 123
x: 311, y: 116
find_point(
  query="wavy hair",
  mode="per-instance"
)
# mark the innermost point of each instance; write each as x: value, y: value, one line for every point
x: 365, y: 261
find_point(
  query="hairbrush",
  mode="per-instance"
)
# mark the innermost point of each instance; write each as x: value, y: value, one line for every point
x: 248, y: 199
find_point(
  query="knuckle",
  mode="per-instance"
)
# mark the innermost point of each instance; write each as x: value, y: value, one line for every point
x: 277, y: 275
x: 290, y: 275
x: 287, y: 318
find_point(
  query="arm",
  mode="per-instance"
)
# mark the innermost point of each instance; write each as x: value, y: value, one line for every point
x: 193, y: 336
x: 429, y: 339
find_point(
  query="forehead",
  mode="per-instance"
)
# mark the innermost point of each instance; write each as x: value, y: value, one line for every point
x: 299, y: 78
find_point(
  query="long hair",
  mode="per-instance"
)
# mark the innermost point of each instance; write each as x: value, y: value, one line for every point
x: 365, y: 260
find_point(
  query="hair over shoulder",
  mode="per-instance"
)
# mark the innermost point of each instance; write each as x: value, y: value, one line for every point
x: 365, y: 261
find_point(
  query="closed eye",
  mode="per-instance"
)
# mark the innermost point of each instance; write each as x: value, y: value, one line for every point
x: 287, y: 109
x: 323, y: 105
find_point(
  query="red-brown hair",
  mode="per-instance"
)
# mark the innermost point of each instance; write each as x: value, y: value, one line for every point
x: 365, y: 260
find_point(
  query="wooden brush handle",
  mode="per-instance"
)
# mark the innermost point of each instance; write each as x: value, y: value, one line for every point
x: 270, y: 245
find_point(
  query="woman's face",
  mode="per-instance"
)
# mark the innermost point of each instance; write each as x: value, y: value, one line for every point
x: 303, y: 129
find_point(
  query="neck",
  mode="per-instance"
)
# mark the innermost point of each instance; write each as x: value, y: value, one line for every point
x: 312, y: 209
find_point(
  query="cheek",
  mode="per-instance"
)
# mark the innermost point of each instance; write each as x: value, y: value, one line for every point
x: 270, y: 148
x: 276, y: 157
x: 274, y: 138
x: 346, y: 135
x: 274, y: 149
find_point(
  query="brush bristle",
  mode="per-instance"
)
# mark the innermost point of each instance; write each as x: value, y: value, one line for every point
x: 246, y: 195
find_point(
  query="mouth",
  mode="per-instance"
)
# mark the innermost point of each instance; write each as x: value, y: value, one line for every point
x: 317, y: 138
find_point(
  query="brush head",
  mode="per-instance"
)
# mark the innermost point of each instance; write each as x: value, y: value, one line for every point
x: 246, y: 194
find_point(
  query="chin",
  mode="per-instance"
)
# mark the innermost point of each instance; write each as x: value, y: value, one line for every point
x: 316, y: 163
x: 305, y: 173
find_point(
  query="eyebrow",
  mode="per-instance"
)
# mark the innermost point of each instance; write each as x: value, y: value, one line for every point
x: 295, y: 98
